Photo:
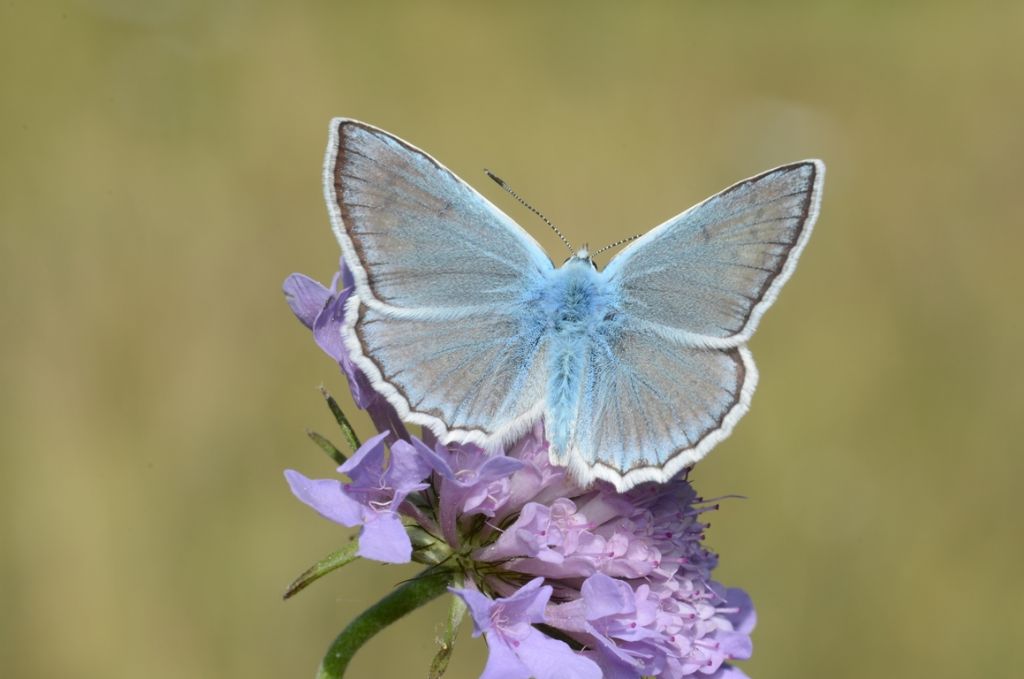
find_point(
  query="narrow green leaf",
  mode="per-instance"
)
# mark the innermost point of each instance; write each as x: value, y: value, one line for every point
x: 327, y: 447
x: 346, y: 426
x: 408, y: 597
x: 334, y: 561
x: 456, y: 612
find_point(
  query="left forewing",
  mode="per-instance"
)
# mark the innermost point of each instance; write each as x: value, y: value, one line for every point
x: 420, y: 241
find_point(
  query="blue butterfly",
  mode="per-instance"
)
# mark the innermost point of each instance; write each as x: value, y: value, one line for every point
x: 465, y: 325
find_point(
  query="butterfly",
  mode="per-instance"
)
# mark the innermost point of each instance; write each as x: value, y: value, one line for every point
x: 463, y: 323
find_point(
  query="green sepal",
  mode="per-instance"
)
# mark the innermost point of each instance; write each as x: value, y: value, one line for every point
x: 408, y: 597
x: 456, y: 612
x: 333, y: 561
x: 327, y: 447
x: 346, y: 427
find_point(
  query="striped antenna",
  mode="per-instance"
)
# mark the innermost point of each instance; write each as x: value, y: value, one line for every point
x: 615, y: 244
x: 502, y: 184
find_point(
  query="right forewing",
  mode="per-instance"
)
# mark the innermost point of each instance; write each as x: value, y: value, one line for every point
x: 706, y: 276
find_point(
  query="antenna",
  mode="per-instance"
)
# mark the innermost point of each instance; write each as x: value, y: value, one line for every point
x: 615, y: 244
x: 502, y: 184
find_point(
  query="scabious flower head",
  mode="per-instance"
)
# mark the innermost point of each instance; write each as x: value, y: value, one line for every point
x: 562, y: 581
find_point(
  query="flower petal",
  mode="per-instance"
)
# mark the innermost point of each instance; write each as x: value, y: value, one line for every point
x: 306, y: 297
x: 322, y: 310
x: 614, y: 667
x: 502, y: 661
x: 607, y: 597
x: 479, y: 608
x: 384, y: 539
x: 549, y: 658
x: 327, y: 327
x: 734, y: 645
x: 327, y: 497
x: 347, y: 279
x: 382, y: 413
x: 728, y: 672
x: 498, y: 466
x: 366, y: 466
x: 527, y: 604
x: 527, y: 536
x: 407, y: 468
x: 435, y: 459
x: 745, y: 618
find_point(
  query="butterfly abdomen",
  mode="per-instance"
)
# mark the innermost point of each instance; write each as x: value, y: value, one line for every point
x: 574, y: 306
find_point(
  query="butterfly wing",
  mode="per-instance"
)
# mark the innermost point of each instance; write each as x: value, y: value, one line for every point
x: 706, y: 276
x: 480, y: 379
x: 419, y: 240
x: 673, y: 378
x: 439, y: 321
x: 650, y: 407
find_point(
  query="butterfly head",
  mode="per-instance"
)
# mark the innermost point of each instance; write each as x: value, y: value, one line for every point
x: 582, y: 256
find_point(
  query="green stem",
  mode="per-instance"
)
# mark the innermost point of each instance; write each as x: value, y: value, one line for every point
x: 406, y: 598
x: 333, y: 561
x: 456, y: 612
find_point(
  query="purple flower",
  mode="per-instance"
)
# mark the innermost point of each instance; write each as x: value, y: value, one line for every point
x: 370, y: 498
x: 625, y: 577
x: 621, y: 622
x: 322, y: 310
x: 479, y: 486
x: 518, y: 650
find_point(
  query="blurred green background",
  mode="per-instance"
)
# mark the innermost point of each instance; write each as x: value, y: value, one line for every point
x: 160, y: 176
